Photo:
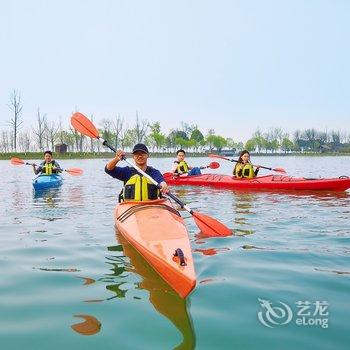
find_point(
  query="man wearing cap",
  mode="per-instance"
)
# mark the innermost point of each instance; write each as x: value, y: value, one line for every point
x: 136, y: 186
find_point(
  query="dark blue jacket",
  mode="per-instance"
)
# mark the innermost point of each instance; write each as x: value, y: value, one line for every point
x: 125, y: 173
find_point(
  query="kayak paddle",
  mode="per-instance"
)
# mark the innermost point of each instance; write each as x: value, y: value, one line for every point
x: 70, y: 171
x: 279, y: 170
x: 209, y: 226
x: 212, y: 165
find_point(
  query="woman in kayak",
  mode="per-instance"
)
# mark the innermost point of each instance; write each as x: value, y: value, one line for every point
x: 136, y: 186
x: 244, y: 168
x: 48, y: 166
x: 180, y: 166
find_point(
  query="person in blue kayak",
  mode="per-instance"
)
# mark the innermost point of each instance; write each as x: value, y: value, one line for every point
x: 48, y: 166
x: 243, y: 167
x: 136, y: 186
x: 180, y: 166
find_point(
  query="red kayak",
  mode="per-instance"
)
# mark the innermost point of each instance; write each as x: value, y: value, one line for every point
x: 269, y: 182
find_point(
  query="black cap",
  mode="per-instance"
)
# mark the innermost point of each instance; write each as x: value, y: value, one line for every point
x: 140, y: 147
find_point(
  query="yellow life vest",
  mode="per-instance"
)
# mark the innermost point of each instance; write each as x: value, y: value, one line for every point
x: 247, y: 170
x: 47, y: 168
x: 182, y: 167
x: 139, y: 188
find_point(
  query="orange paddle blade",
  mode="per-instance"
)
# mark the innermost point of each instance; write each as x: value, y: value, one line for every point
x: 210, y: 227
x: 84, y: 125
x: 74, y: 171
x: 280, y: 170
x: 214, y: 165
x: 17, y: 161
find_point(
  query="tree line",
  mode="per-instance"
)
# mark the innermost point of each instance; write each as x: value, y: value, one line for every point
x: 45, y: 134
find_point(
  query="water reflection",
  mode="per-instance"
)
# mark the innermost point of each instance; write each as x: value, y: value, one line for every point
x: 243, y: 207
x: 211, y: 251
x: 49, y: 196
x: 164, y: 299
x: 91, y: 325
x: 76, y: 195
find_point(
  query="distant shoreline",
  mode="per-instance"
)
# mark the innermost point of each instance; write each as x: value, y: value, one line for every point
x: 99, y: 155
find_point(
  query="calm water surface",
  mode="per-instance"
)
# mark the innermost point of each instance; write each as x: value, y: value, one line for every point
x: 69, y: 281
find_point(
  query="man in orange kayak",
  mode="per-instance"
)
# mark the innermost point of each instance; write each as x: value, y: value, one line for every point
x: 136, y: 186
x: 48, y: 166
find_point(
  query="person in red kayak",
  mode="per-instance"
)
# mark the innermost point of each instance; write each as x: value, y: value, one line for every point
x: 180, y: 166
x: 136, y: 186
x: 244, y: 168
x: 48, y: 166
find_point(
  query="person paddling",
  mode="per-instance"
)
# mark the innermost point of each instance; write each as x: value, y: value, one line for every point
x: 244, y: 168
x: 48, y: 166
x: 136, y: 186
x: 180, y: 166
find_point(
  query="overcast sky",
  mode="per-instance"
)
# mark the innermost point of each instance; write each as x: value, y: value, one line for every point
x: 234, y: 66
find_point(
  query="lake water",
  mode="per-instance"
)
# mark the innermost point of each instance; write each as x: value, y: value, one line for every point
x: 282, y: 282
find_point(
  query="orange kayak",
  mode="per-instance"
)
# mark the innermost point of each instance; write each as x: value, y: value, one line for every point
x: 158, y: 232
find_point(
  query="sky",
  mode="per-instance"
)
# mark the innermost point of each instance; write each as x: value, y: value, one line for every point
x: 234, y: 66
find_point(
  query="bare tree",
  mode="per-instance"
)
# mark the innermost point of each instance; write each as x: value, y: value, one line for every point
x: 140, y: 128
x: 16, y: 108
x: 60, y: 135
x: 24, y: 141
x: 343, y: 136
x: 78, y: 140
x: 51, y: 133
x: 188, y: 128
x: 118, y: 126
x: 123, y: 135
x: 41, y: 130
x: 5, y: 142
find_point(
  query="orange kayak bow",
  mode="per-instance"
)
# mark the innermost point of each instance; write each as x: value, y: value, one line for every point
x: 158, y: 232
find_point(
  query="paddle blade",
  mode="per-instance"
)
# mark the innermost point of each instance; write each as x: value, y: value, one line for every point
x: 74, y: 171
x: 16, y: 161
x: 211, y: 227
x: 217, y: 156
x: 214, y: 165
x: 280, y: 170
x: 84, y: 125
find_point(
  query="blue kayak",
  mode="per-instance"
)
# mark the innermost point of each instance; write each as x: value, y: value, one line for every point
x: 42, y: 182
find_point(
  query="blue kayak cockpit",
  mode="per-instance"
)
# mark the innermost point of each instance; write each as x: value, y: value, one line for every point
x: 43, y: 182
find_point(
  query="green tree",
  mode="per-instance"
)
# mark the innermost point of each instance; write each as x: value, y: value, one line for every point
x: 250, y: 145
x: 197, y: 138
x: 156, y: 136
x: 287, y: 145
x: 215, y: 141
x: 197, y: 135
x: 259, y: 140
x: 219, y: 142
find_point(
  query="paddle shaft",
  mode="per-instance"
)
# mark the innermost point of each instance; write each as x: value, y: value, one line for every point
x: 59, y: 169
x: 205, y: 167
x: 177, y: 200
x: 236, y: 161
